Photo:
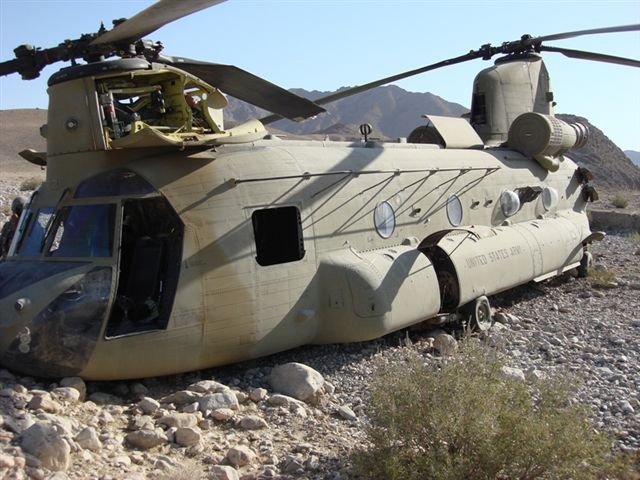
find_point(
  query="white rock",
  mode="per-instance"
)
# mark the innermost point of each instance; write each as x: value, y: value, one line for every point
x: 63, y: 425
x: 222, y: 414
x: 122, y: 461
x: 514, y: 374
x: 240, y: 456
x: 148, y: 405
x: 534, y: 375
x: 498, y: 327
x: 226, y: 399
x: 146, y: 439
x: 298, y: 410
x: 241, y: 397
x: 191, y: 408
x: 223, y: 472
x: 6, y: 461
x: 164, y: 463
x: 77, y: 383
x: 43, y: 442
x: 445, y: 344
x: 207, y: 386
x: 297, y: 380
x: 186, y: 436
x: 179, y: 420
x: 258, y: 394
x: 279, y: 400
x: 88, y: 439
x: 67, y: 394
x: 345, y: 412
x: 253, y: 422
x: 181, y: 398
x: 626, y: 407
x: 18, y: 425
x: 141, y: 422
x: 45, y: 403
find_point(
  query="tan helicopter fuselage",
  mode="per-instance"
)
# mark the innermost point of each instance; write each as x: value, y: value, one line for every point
x: 269, y: 244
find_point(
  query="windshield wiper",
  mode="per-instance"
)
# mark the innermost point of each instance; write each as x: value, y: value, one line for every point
x: 52, y: 220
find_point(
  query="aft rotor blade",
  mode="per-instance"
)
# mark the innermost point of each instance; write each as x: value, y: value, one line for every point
x: 596, y: 57
x: 593, y: 31
x: 152, y: 18
x: 248, y: 87
x: 383, y: 81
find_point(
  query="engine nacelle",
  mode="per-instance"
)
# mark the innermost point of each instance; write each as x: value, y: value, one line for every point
x: 545, y: 138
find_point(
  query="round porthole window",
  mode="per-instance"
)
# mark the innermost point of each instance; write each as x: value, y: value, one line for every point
x: 384, y: 218
x: 549, y: 198
x: 454, y: 210
x: 510, y: 203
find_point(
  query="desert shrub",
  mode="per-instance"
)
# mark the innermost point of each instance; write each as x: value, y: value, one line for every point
x: 30, y: 184
x: 600, y: 277
x: 619, y: 201
x: 188, y: 470
x: 635, y: 237
x: 465, y: 419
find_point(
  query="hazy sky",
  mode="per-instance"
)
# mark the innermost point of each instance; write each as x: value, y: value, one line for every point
x: 324, y: 45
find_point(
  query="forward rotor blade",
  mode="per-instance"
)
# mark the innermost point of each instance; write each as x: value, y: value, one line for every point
x: 248, y: 87
x: 472, y: 55
x: 593, y: 31
x: 596, y: 57
x: 152, y: 18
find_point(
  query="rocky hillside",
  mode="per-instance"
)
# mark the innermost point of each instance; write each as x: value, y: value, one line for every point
x: 633, y: 156
x: 610, y: 166
x: 19, y: 130
x: 391, y: 111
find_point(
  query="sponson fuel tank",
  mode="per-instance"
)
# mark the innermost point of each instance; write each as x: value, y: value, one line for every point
x: 481, y: 260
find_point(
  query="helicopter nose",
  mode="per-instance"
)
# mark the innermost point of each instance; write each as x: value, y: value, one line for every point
x: 51, y: 319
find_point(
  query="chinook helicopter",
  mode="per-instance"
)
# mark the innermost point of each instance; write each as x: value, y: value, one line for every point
x: 163, y: 242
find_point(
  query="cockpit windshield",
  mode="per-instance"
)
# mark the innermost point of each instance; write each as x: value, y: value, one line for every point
x: 73, y: 231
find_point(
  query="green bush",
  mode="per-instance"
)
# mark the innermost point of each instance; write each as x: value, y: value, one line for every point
x: 466, y: 420
x: 619, y: 201
x: 30, y: 184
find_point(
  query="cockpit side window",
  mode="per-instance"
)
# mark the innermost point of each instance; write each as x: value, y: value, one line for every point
x: 29, y: 244
x: 83, y: 231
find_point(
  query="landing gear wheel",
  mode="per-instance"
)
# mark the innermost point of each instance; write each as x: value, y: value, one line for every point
x: 585, y: 264
x: 479, y: 313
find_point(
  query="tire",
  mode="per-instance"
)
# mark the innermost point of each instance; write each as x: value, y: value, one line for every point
x: 479, y: 314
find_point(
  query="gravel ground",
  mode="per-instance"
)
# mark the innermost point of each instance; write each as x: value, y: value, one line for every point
x: 585, y: 328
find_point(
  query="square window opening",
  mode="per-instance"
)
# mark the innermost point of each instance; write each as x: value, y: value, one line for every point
x: 278, y: 235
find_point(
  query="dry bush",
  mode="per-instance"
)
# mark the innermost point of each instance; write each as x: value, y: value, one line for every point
x: 619, y: 201
x: 188, y: 470
x: 30, y: 184
x: 601, y: 278
x: 465, y: 419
